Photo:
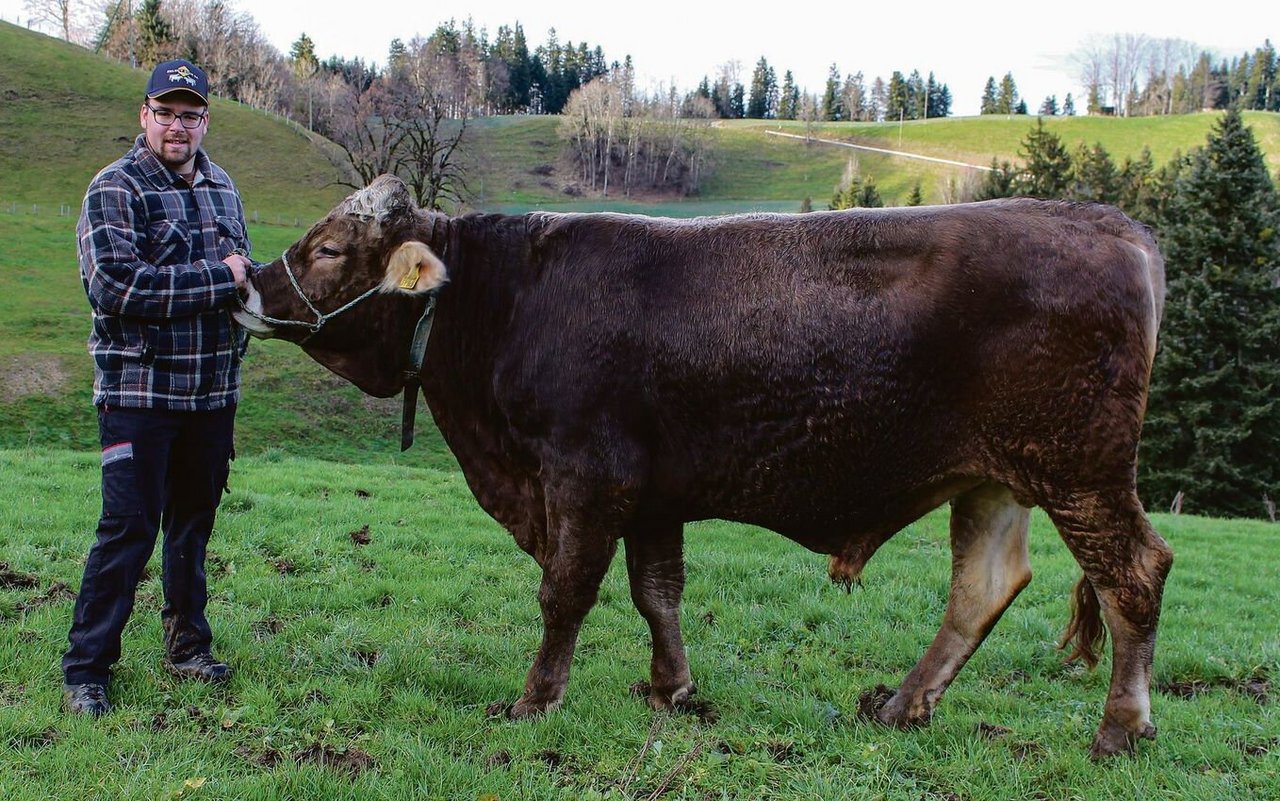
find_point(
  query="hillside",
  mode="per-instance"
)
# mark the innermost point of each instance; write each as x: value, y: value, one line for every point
x: 67, y: 112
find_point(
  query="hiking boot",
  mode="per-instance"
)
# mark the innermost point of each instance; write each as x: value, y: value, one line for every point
x: 201, y: 667
x: 85, y: 699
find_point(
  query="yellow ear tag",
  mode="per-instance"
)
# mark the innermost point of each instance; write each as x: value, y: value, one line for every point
x: 410, y: 278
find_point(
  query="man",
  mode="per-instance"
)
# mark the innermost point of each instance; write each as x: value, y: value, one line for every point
x: 163, y: 253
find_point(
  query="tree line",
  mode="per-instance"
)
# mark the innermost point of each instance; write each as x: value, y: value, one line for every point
x: 1212, y: 430
x: 1124, y: 74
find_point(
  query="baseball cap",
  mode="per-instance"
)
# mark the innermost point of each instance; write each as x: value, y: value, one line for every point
x: 178, y: 75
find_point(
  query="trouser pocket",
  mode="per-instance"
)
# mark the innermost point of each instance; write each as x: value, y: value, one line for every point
x: 120, y: 496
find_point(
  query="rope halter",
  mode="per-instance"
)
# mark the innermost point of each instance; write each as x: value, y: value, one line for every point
x: 321, y: 318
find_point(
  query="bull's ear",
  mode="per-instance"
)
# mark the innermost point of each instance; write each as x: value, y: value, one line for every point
x: 413, y: 268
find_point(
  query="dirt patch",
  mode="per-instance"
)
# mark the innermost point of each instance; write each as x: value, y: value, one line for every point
x: 498, y: 759
x: 991, y: 731
x: 368, y: 658
x: 870, y: 702
x: 267, y: 760
x: 351, y: 761
x: 1257, y: 749
x: 704, y: 711
x: 32, y: 374
x: 13, y: 580
x: 783, y: 752
x: 36, y: 740
x: 1026, y: 750
x: 267, y: 627
x: 58, y: 591
x: 361, y: 535
x: 1256, y: 687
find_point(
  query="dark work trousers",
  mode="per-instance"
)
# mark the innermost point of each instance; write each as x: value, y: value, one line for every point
x: 159, y: 468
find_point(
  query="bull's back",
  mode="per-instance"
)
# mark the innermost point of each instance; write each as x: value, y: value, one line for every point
x: 829, y: 370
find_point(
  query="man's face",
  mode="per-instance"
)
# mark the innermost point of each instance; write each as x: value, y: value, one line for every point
x: 174, y: 143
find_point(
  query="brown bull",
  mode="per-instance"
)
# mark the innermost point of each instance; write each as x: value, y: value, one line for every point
x: 830, y: 376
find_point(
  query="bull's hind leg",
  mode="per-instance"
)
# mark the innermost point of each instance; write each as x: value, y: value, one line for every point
x: 1125, y: 563
x: 989, y: 567
x: 655, y: 566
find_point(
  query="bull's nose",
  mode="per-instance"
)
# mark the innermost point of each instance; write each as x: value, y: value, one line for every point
x: 250, y: 312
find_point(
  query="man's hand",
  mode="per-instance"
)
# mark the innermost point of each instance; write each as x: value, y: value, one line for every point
x: 240, y: 266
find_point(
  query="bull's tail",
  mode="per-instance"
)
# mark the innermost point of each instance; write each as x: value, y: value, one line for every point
x: 1085, y: 632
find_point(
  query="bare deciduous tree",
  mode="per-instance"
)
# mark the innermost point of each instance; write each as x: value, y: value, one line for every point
x: 659, y: 143
x: 70, y: 18
x: 435, y: 88
x: 364, y: 125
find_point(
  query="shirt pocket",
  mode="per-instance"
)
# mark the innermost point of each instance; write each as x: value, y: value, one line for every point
x: 168, y: 242
x: 231, y: 236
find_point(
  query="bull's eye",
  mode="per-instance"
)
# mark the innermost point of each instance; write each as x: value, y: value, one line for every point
x: 329, y: 252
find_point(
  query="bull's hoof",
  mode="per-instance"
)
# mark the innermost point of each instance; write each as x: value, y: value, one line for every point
x: 888, y: 708
x: 872, y: 701
x: 1113, y: 739
x: 662, y: 701
x: 526, y: 708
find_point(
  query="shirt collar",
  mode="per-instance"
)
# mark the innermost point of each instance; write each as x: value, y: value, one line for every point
x: 160, y: 176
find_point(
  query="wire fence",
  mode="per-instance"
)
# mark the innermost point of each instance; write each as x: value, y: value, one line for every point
x: 61, y: 209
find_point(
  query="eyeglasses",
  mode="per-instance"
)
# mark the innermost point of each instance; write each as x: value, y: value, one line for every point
x: 165, y: 117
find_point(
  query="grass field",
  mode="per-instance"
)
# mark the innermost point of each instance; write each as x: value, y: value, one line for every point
x: 365, y: 670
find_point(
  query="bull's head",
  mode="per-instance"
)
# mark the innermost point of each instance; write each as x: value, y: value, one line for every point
x: 350, y: 285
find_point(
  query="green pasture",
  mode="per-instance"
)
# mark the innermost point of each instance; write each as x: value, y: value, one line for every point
x: 373, y: 613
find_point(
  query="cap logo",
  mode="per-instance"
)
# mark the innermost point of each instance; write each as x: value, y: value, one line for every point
x: 182, y: 74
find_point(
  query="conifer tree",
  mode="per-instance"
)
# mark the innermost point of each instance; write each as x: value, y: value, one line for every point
x: 989, y: 98
x: 763, y: 86
x: 155, y: 34
x: 999, y: 181
x: 1007, y: 100
x: 788, y: 98
x: 1046, y: 164
x: 1213, y: 419
x: 1094, y: 176
x: 1138, y: 188
x: 831, y: 105
x: 916, y: 198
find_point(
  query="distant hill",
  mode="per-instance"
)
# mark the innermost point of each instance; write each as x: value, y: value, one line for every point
x: 66, y: 112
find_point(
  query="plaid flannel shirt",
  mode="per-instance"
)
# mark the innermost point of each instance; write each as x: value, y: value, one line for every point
x: 151, y: 251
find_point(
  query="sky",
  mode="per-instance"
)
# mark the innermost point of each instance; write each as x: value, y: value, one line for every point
x: 679, y: 42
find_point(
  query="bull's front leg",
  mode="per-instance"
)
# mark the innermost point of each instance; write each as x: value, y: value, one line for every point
x: 579, y: 547
x: 655, y: 567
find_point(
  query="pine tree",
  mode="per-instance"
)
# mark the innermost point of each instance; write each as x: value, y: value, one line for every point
x: 1095, y: 177
x: 999, y: 181
x: 831, y: 105
x: 155, y: 34
x: 761, y: 87
x: 1213, y: 421
x: 1047, y: 164
x: 1007, y: 100
x: 989, y: 98
x: 737, y: 102
x: 789, y: 98
x: 1069, y: 106
x: 897, y: 107
x: 916, y: 198
x: 1139, y: 191
x: 1049, y: 108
